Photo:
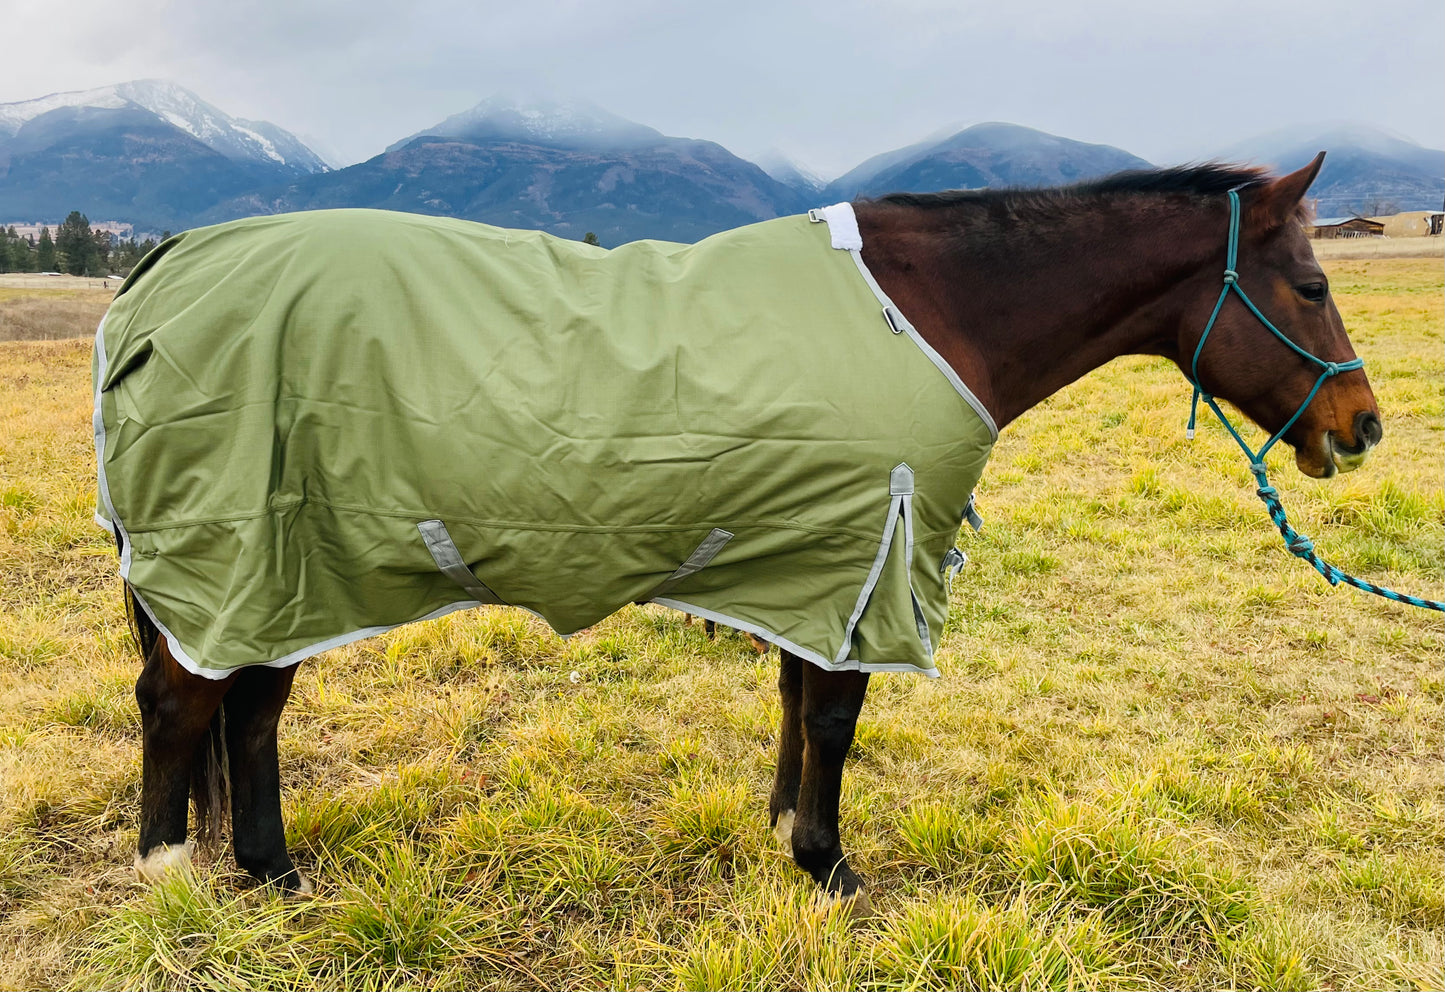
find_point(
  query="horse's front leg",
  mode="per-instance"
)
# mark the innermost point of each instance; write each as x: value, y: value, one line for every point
x: 253, y: 711
x: 176, y: 709
x: 787, y: 779
x: 831, y: 702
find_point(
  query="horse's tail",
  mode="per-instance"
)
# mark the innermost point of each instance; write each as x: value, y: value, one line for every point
x: 210, y: 770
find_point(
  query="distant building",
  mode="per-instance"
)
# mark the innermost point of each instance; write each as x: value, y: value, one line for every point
x: 29, y: 229
x: 1413, y: 223
x: 1345, y: 227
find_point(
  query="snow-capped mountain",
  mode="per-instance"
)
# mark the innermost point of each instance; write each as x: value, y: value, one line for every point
x: 538, y: 121
x: 156, y: 155
x: 563, y: 166
x: 790, y: 173
x: 993, y: 154
x: 233, y: 137
x: 148, y: 153
x: 1367, y: 170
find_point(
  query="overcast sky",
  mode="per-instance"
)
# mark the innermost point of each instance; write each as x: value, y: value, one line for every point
x: 827, y: 83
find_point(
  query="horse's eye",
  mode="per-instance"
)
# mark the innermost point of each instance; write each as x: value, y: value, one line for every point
x: 1312, y: 291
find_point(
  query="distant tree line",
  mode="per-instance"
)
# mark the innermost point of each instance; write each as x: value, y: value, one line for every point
x: 75, y: 249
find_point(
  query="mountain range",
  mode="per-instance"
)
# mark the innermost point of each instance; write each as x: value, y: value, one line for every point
x: 146, y: 152
x: 993, y: 154
x: 566, y: 167
x: 1367, y: 171
x: 155, y: 155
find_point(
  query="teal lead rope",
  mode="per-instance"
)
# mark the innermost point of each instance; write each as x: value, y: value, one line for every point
x: 1299, y: 545
x: 1302, y: 547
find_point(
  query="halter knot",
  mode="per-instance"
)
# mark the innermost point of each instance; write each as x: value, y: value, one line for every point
x: 1331, y: 368
x: 1267, y: 492
x: 1230, y: 277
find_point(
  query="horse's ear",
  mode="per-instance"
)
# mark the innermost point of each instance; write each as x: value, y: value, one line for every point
x: 1279, y: 200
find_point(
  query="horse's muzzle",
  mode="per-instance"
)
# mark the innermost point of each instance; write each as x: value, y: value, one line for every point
x: 1346, y: 456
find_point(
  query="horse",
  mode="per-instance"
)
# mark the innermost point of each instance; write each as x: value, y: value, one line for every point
x: 1020, y: 292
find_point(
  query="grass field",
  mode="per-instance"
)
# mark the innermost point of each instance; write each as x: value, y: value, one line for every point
x: 1163, y: 754
x: 34, y: 312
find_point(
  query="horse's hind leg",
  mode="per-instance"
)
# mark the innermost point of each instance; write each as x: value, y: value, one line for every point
x: 253, y: 710
x: 783, y: 803
x: 831, y: 703
x: 176, y: 708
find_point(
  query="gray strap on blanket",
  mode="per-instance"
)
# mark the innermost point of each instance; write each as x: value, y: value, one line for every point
x: 444, y: 552
x: 970, y: 513
x: 900, y: 486
x: 701, y: 556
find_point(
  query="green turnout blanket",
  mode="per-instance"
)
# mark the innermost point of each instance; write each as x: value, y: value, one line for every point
x: 314, y: 427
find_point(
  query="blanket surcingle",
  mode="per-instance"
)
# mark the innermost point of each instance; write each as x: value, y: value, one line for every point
x: 314, y: 427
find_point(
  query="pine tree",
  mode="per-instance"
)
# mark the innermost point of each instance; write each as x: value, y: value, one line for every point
x: 104, y: 245
x: 77, y: 243
x: 45, y: 253
x: 15, y: 251
x: 590, y: 239
x: 23, y: 252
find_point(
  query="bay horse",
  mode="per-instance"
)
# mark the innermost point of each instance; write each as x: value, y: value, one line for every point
x: 1021, y: 292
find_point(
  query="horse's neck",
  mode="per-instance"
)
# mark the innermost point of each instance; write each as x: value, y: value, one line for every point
x: 1020, y: 310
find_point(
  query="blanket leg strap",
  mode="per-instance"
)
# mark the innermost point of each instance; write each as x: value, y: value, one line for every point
x: 449, y: 560
x: 700, y: 558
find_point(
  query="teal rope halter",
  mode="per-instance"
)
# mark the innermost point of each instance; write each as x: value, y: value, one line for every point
x: 1299, y: 545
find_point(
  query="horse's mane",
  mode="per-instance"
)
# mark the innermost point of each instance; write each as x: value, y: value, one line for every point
x: 1208, y: 179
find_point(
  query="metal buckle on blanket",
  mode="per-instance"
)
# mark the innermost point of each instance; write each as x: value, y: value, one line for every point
x: 895, y: 325
x: 953, y: 562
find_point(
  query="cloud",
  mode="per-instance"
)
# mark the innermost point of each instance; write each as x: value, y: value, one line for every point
x: 827, y: 82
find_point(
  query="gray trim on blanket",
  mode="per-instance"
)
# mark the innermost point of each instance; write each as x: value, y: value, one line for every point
x: 900, y: 496
x: 894, y: 317
x: 850, y: 665
x: 898, y: 323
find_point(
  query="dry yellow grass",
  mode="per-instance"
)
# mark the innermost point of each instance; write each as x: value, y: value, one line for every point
x: 28, y: 314
x: 34, y: 280
x: 1339, y: 248
x: 1163, y: 754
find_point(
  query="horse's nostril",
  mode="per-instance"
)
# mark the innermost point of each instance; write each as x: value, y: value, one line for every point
x: 1368, y: 429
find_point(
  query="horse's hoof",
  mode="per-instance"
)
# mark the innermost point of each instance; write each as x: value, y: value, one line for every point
x: 288, y: 883
x: 853, y: 907
x: 164, y: 859
x: 783, y: 830
x: 304, y: 889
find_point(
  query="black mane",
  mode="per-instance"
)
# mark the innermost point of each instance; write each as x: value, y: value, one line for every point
x: 1208, y: 179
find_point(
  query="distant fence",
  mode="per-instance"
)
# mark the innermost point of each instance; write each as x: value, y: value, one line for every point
x: 34, y: 280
